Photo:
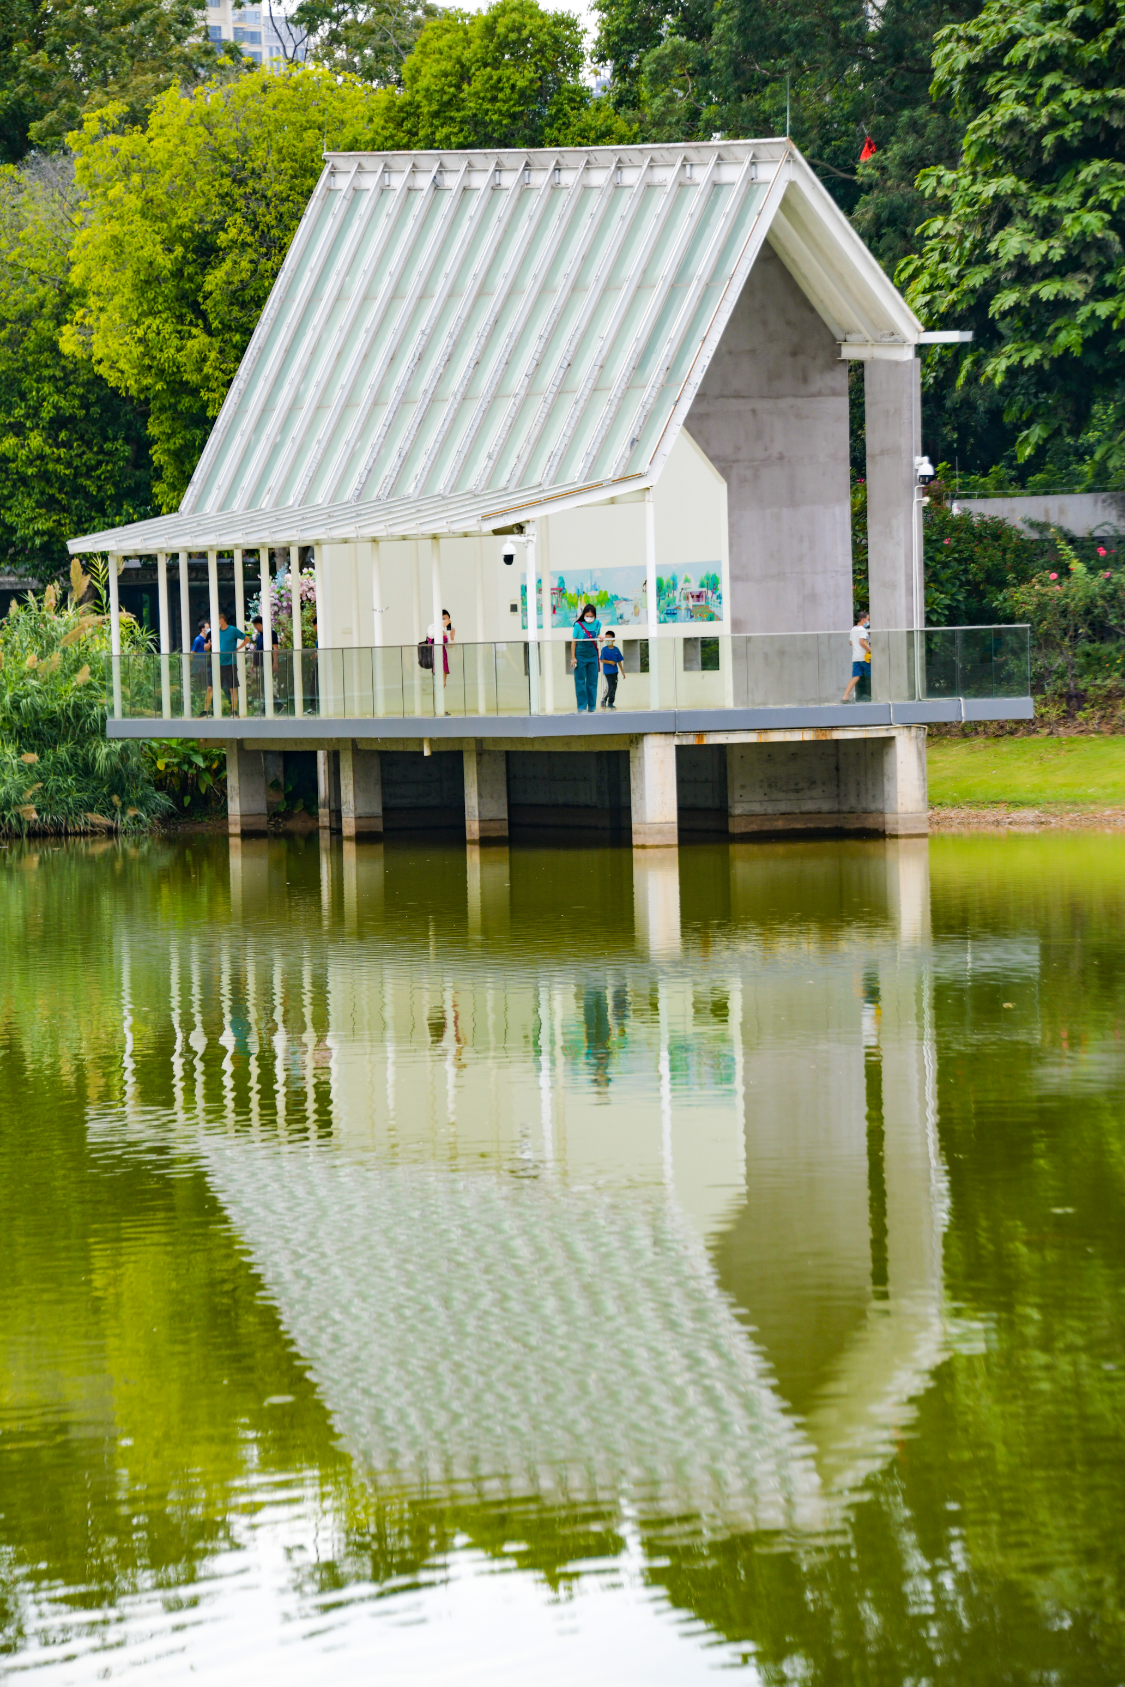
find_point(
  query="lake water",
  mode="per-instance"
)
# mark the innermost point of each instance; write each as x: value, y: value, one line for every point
x: 560, y: 1265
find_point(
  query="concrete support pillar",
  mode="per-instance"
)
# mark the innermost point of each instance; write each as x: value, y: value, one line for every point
x: 486, y: 794
x: 908, y: 888
x: 656, y: 900
x: 652, y: 788
x: 488, y: 885
x: 906, y: 800
x: 893, y: 414
x: 363, y: 881
x: 246, y: 790
x: 361, y: 792
x: 249, y: 879
x: 328, y: 789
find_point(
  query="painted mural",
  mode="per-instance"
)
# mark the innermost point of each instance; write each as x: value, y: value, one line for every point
x: 694, y: 593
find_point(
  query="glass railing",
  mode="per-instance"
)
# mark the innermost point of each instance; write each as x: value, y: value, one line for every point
x: 723, y: 672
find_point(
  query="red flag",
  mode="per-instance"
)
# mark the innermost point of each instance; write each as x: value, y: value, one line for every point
x: 869, y: 149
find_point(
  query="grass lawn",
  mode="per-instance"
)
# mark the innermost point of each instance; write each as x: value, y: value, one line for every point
x: 1027, y: 772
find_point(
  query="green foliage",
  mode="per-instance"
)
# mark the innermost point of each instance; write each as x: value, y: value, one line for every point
x: 971, y: 562
x: 73, y: 453
x: 370, y: 39
x: 61, y: 58
x: 58, y: 770
x: 189, y: 221
x: 1028, y: 247
x: 836, y: 70
x: 121, y: 52
x: 191, y: 773
x: 509, y: 76
x: 1077, y: 620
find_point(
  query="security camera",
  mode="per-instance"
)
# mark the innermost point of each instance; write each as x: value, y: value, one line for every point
x: 924, y: 470
x: 509, y: 555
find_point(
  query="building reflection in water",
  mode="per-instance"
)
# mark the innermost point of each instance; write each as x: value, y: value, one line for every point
x: 564, y: 1186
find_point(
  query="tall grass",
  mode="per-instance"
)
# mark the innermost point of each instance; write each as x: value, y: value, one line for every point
x: 58, y: 770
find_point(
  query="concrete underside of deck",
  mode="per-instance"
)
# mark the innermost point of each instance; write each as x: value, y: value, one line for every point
x: 645, y: 778
x: 318, y: 732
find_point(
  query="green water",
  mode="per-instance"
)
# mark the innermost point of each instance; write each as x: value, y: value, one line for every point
x: 552, y: 1266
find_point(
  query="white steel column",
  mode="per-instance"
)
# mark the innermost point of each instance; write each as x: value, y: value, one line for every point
x: 114, y: 564
x: 416, y: 612
x: 185, y: 631
x: 213, y: 611
x: 267, y: 628
x: 546, y: 668
x: 165, y: 634
x: 481, y: 629
x: 240, y: 621
x: 377, y: 608
x: 298, y: 633
x: 439, y: 635
x: 529, y: 552
x: 652, y: 607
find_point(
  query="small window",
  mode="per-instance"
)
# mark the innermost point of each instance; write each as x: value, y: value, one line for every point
x: 252, y: 37
x: 214, y: 30
x: 701, y: 655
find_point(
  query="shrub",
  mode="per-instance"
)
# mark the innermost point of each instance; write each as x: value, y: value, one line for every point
x: 192, y: 774
x: 58, y: 770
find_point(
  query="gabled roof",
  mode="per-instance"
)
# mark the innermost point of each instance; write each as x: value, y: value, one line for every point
x: 487, y: 329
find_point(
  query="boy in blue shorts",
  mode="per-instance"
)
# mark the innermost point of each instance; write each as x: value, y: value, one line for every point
x: 613, y: 666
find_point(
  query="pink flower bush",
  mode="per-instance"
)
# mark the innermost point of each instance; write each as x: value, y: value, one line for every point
x: 1101, y: 550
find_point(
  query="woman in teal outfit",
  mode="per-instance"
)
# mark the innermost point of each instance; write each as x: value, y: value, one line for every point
x: 585, y: 660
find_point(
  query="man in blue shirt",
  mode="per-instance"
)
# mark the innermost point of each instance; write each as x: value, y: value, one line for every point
x: 230, y: 639
x: 613, y: 666
x: 584, y: 659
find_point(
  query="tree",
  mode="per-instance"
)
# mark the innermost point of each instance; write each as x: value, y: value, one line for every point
x: 370, y: 39
x: 73, y: 453
x: 508, y: 77
x: 189, y: 221
x: 1028, y: 246
x: 74, y: 58
x: 829, y: 72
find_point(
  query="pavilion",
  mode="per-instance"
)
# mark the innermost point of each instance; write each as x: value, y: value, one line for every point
x: 502, y: 382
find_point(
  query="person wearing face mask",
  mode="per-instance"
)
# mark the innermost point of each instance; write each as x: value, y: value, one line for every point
x: 585, y: 658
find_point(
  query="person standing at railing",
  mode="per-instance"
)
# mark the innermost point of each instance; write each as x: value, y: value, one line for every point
x: 613, y: 666
x: 200, y: 650
x: 584, y: 658
x: 231, y: 640
x: 259, y: 648
x: 448, y: 636
x: 861, y: 655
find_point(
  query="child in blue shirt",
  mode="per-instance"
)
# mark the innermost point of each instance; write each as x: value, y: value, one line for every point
x: 613, y: 666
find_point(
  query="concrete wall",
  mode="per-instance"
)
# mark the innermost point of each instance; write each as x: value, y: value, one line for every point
x: 1078, y: 512
x: 559, y: 788
x: 772, y: 416
x: 423, y: 790
x: 875, y: 783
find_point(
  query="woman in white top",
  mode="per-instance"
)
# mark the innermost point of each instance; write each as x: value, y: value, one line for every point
x: 448, y: 636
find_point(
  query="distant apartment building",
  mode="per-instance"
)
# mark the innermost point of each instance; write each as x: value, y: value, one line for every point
x: 253, y: 28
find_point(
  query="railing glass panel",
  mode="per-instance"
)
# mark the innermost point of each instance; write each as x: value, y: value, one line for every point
x: 788, y: 670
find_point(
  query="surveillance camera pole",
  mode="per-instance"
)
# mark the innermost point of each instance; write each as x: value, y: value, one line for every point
x: 923, y: 474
